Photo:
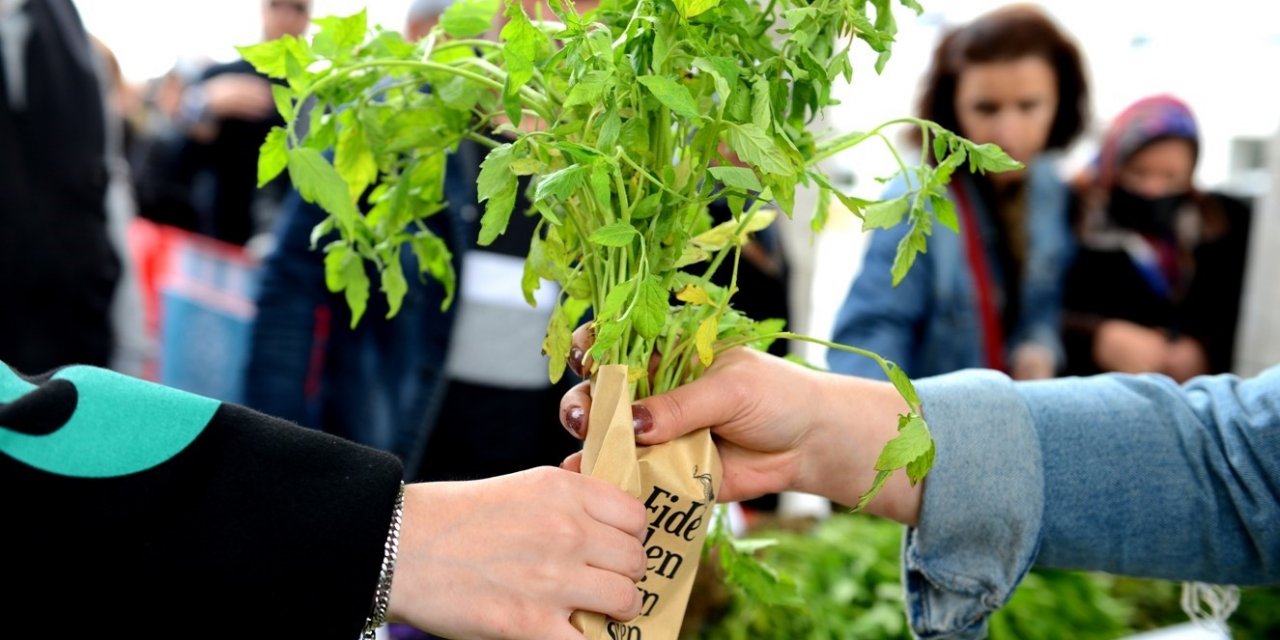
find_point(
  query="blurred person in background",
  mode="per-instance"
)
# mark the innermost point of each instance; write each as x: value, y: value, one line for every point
x: 60, y: 270
x: 451, y: 392
x: 227, y: 115
x: 989, y: 296
x: 1156, y: 283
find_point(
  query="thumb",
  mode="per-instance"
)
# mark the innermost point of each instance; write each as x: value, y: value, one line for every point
x: 705, y: 402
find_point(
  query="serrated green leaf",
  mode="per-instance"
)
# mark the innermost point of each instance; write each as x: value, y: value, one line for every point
x: 737, y: 178
x: 284, y: 101
x: 317, y: 181
x: 618, y: 234
x: 650, y: 313
x: 267, y: 57
x: 394, y: 285
x: 911, y: 245
x: 903, y: 384
x: 588, y: 89
x: 556, y: 344
x: 561, y: 184
x: 469, y: 18
x: 435, y: 258
x: 318, y: 232
x: 607, y: 336
x: 273, y: 156
x: 912, y: 441
x: 725, y: 69
x: 691, y: 8
x: 354, y: 160
x: 497, y: 185
x: 989, y: 157
x: 648, y: 207
x: 761, y: 104
x: 822, y: 212
x: 344, y: 271
x: 617, y: 299
x: 671, y: 94
x: 752, y: 144
x: 945, y: 210
x: 886, y: 214
x: 523, y: 45
x: 918, y: 468
x: 338, y: 36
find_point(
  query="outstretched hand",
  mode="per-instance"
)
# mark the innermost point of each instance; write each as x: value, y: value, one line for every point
x: 778, y: 427
x: 515, y: 556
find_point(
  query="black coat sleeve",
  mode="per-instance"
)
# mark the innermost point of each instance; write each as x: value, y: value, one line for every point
x: 246, y: 526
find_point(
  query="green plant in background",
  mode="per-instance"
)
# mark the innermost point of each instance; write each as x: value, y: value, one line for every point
x: 841, y: 579
x: 631, y: 119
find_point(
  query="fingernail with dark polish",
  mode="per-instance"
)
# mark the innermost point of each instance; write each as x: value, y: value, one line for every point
x: 641, y: 419
x: 575, y: 361
x: 573, y: 421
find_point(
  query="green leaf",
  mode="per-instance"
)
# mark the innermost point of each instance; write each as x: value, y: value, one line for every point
x: 737, y: 178
x: 822, y: 212
x: 317, y: 181
x: 435, y: 258
x: 267, y: 57
x: 561, y: 184
x: 916, y: 469
x: 354, y: 160
x: 912, y: 441
x: 648, y: 207
x: 761, y: 104
x: 617, y: 299
x: 946, y: 212
x: 339, y: 36
x: 497, y: 185
x: 273, y: 156
x: 911, y: 245
x: 556, y: 344
x: 588, y: 89
x: 691, y: 8
x: 650, y: 313
x: 394, y: 285
x: 989, y: 157
x: 344, y: 271
x: 886, y: 214
x: 607, y: 336
x: 523, y: 45
x: 724, y: 69
x: 469, y: 18
x: 618, y: 234
x: 284, y: 101
x: 752, y: 144
x: 903, y: 384
x: 671, y: 94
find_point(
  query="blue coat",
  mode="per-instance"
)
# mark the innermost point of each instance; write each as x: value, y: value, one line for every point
x: 930, y: 323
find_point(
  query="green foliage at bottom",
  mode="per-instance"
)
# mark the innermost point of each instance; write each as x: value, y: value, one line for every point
x: 846, y: 572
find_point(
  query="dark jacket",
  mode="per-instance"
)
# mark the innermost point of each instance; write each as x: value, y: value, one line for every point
x: 58, y: 270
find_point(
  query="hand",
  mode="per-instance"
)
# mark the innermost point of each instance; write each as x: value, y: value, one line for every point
x: 1120, y: 345
x: 779, y: 426
x: 239, y: 96
x: 1185, y: 359
x: 514, y: 556
x: 1031, y: 361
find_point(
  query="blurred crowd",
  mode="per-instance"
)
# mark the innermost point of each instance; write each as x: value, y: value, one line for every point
x: 1129, y: 266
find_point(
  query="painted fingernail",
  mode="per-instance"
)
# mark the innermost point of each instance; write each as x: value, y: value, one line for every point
x: 575, y: 361
x: 641, y: 419
x: 573, y: 421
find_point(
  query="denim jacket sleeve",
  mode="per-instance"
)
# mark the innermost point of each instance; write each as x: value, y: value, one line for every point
x: 876, y: 315
x: 1125, y: 474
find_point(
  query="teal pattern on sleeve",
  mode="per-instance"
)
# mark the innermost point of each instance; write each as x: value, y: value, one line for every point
x: 120, y: 425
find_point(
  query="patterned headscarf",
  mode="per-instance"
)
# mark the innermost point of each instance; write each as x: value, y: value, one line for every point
x: 1145, y: 121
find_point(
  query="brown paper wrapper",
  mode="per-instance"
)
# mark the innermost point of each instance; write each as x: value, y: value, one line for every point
x: 677, y: 481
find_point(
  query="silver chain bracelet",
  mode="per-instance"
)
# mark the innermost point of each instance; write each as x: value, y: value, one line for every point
x: 378, y: 616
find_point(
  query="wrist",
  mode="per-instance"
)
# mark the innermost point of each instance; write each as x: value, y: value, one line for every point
x: 855, y: 418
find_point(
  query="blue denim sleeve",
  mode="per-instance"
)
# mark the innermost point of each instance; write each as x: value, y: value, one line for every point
x: 1125, y: 474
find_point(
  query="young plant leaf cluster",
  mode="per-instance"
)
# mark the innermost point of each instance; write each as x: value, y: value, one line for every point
x: 629, y: 119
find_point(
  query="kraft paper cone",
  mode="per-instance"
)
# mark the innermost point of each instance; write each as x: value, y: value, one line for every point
x: 678, y: 483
